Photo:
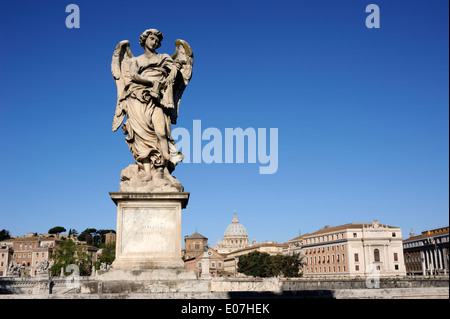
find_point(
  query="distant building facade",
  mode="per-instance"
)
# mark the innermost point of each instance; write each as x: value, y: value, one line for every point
x: 27, y: 251
x: 235, y: 237
x: 194, y: 245
x: 351, y: 250
x: 427, y: 253
x: 215, y: 260
x: 231, y: 260
x: 110, y: 237
x: 6, y: 254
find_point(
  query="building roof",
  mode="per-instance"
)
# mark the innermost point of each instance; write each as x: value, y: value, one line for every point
x: 328, y: 229
x: 429, y: 233
x: 265, y: 244
x: 196, y: 236
x: 235, y: 228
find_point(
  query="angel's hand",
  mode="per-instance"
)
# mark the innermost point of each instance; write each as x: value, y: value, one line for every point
x: 178, y: 64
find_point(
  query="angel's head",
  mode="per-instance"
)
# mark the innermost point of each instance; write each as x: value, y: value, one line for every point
x: 155, y: 33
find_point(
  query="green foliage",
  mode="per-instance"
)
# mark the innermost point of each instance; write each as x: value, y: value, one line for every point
x: 87, y: 235
x: 67, y: 253
x: 4, y: 234
x: 108, y: 253
x: 56, y: 230
x: 73, y: 232
x: 259, y: 264
x: 284, y: 265
x: 93, y: 236
x: 254, y: 264
x: 63, y: 255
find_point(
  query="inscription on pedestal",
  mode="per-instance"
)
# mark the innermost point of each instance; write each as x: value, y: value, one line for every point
x: 145, y: 231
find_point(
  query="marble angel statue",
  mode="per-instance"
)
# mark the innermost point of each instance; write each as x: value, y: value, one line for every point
x: 149, y: 89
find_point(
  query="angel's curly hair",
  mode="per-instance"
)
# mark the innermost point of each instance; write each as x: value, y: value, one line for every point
x: 143, y: 37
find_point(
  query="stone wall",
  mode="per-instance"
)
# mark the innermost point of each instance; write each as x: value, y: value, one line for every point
x: 223, y: 288
x: 295, y: 284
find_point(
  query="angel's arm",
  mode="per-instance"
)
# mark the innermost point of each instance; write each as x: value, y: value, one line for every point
x: 173, y: 70
x: 135, y: 76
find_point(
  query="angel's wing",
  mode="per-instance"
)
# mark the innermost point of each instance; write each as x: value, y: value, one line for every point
x: 120, y: 68
x: 183, y: 56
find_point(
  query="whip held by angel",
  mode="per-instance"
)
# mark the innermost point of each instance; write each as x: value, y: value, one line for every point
x: 149, y: 89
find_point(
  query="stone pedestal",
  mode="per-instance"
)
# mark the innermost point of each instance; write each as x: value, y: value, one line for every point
x: 148, y: 249
x: 205, y: 265
x: 148, y: 230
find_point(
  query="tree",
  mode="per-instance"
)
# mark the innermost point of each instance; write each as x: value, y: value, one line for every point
x: 259, y: 264
x: 56, y: 230
x: 67, y: 253
x: 108, y: 254
x: 4, y: 234
x: 72, y: 232
x: 254, y: 264
x: 93, y: 236
x: 284, y: 265
x: 102, y: 233
x: 88, y: 231
x: 63, y: 255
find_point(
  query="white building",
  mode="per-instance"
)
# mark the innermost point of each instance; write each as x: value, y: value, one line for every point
x: 355, y: 249
x: 235, y: 237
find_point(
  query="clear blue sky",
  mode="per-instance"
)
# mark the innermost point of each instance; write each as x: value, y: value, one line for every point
x: 362, y: 114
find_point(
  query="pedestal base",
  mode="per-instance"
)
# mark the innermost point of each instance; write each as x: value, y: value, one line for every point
x: 148, y: 230
x: 160, y: 281
x: 148, y: 248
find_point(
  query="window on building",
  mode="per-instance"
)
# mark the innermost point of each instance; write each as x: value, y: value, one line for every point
x: 395, y: 257
x: 197, y: 246
x: 357, y: 267
x: 394, y: 234
x: 355, y: 235
x: 356, y: 257
x: 376, y: 255
x: 396, y: 267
